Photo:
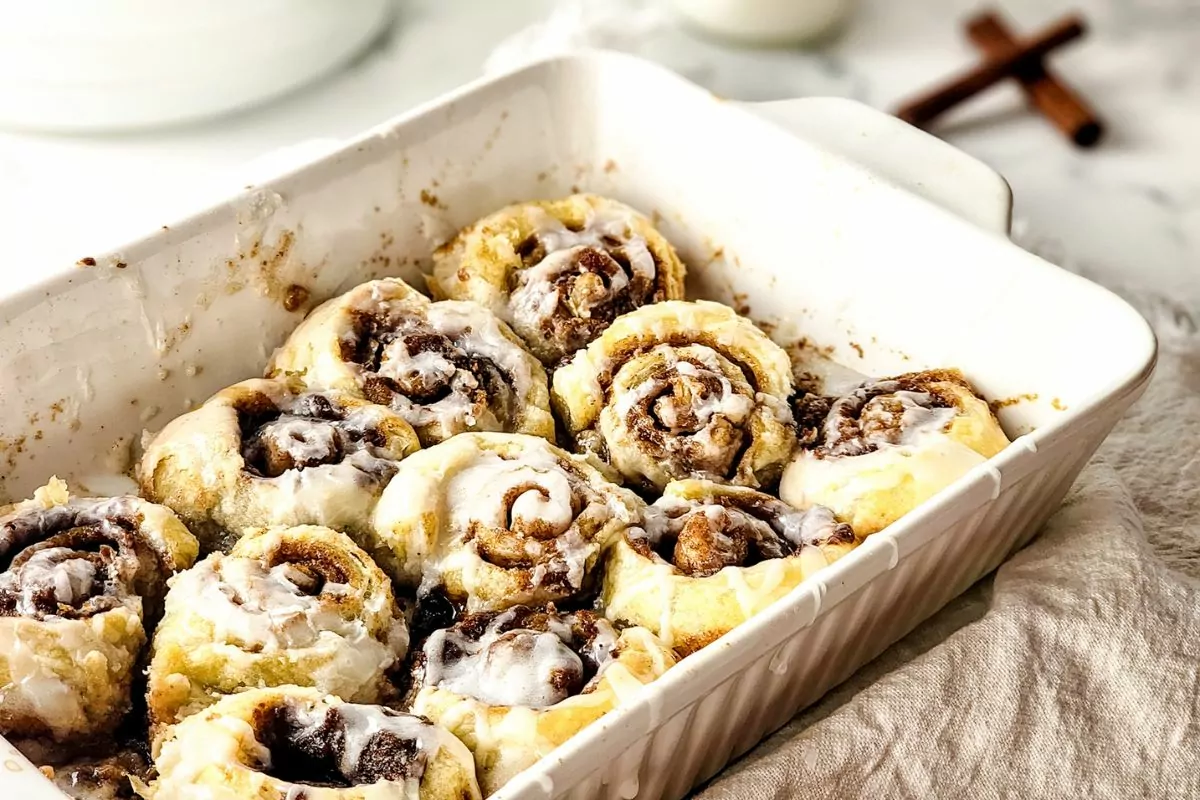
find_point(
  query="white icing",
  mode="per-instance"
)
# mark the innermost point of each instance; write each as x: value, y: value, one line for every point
x: 474, y: 332
x: 37, y: 647
x: 545, y: 493
x: 257, y: 606
x: 308, y: 439
x: 71, y: 579
x: 705, y: 404
x: 878, y: 423
x: 260, y: 609
x: 813, y: 526
x: 361, y: 724
x: 304, y: 439
x: 515, y: 667
x: 781, y: 531
x: 512, y: 669
x: 538, y: 296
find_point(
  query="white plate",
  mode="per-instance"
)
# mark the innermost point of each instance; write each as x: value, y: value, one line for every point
x: 900, y: 256
x: 99, y: 65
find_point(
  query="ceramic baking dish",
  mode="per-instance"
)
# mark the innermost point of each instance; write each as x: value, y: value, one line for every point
x: 875, y: 243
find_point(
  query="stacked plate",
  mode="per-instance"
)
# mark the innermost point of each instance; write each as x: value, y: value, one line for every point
x: 89, y: 65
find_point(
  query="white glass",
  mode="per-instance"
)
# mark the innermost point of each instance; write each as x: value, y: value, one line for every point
x: 768, y: 22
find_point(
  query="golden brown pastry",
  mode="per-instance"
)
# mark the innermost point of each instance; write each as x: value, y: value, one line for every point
x: 711, y: 556
x: 559, y: 271
x: 681, y: 390
x: 515, y: 684
x: 266, y: 452
x: 444, y: 367
x: 301, y: 605
x: 885, y: 448
x: 292, y: 743
x: 495, y: 519
x: 82, y: 579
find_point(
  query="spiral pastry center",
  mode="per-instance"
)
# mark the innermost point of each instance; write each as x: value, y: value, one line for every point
x: 881, y: 414
x: 522, y: 514
x: 73, y: 562
x: 576, y: 281
x: 453, y: 368
x: 689, y: 411
x: 343, y: 746
x: 288, y: 605
x: 702, y: 537
x: 519, y: 657
x: 305, y: 432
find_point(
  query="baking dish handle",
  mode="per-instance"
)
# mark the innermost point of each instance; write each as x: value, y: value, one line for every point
x: 899, y: 153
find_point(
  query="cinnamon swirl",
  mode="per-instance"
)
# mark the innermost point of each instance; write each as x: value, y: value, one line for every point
x: 301, y: 605
x: 81, y: 582
x: 560, y: 271
x: 875, y: 454
x: 292, y: 743
x: 515, y: 684
x: 681, y: 390
x: 444, y: 367
x: 498, y: 519
x: 710, y: 556
x: 266, y: 452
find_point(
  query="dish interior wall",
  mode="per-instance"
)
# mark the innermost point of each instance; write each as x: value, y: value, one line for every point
x: 804, y: 242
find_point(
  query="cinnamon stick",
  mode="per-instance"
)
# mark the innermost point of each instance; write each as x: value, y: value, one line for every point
x: 942, y: 98
x: 1049, y: 95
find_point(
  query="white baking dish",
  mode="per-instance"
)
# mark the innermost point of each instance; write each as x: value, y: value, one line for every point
x: 896, y: 262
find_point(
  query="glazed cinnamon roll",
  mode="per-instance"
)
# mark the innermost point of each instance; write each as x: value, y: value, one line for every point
x: 711, y: 556
x: 561, y: 271
x: 494, y: 519
x: 444, y: 367
x: 81, y: 581
x: 681, y: 390
x: 888, y: 446
x: 301, y: 605
x: 515, y: 684
x: 292, y: 743
x: 266, y: 452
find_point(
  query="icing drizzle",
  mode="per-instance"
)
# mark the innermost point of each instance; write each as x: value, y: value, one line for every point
x: 878, y: 414
x: 77, y: 560
x: 576, y: 281
x: 731, y: 527
x: 315, y: 430
x: 344, y: 745
x: 519, y: 657
x: 536, y: 512
x: 445, y: 368
x: 688, y: 412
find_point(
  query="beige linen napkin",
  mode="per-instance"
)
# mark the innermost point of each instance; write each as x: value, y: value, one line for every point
x: 1075, y: 673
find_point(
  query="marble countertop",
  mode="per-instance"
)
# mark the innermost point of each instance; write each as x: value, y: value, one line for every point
x: 1126, y: 213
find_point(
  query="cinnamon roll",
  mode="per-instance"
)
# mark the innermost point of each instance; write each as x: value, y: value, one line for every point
x: 515, y: 684
x: 444, y: 367
x: 81, y: 581
x: 681, y: 390
x: 711, y: 556
x: 266, y: 452
x: 301, y: 605
x: 561, y: 271
x: 888, y: 446
x: 293, y: 743
x: 494, y: 519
